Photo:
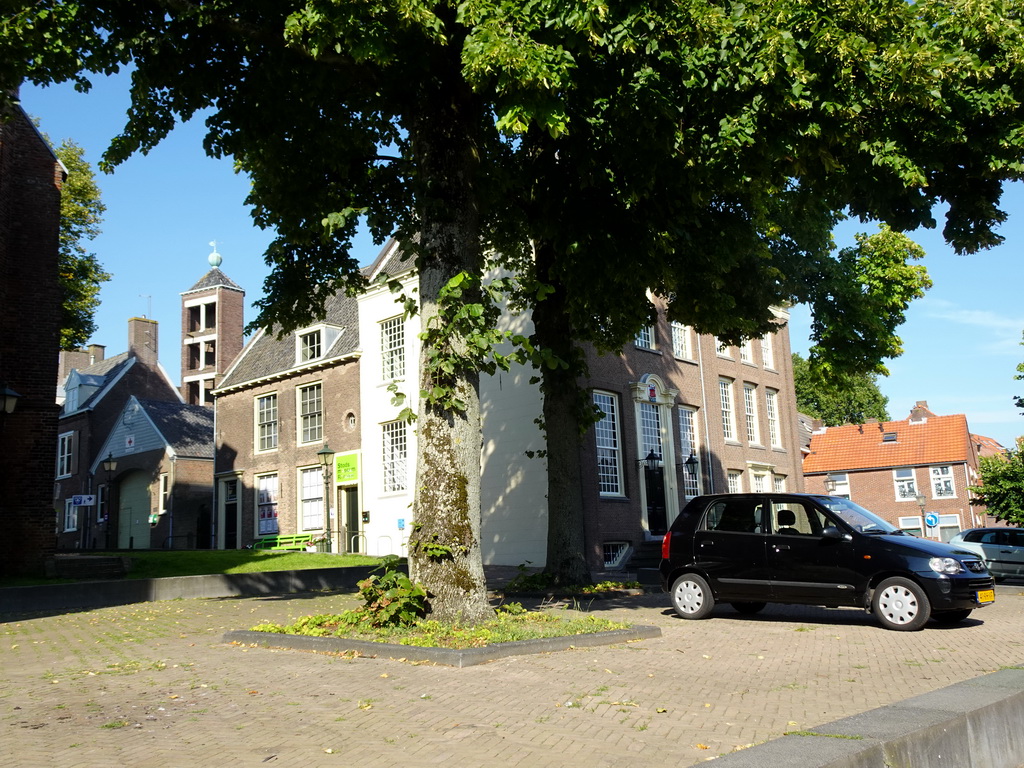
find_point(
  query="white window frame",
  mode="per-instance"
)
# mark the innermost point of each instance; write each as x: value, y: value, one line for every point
x: 913, y: 524
x: 645, y: 338
x: 651, y: 434
x: 689, y: 445
x: 267, y: 429
x: 734, y: 481
x: 164, y: 492
x: 939, y: 476
x: 767, y: 352
x: 901, y: 476
x: 392, y: 348
x: 268, y: 495
x: 721, y: 348
x: 779, y: 483
x: 394, y: 456
x: 747, y: 352
x: 70, y: 516
x: 682, y: 341
x: 758, y: 481
x: 842, y: 483
x: 608, y: 439
x: 949, y: 526
x: 310, y: 422
x: 771, y: 406
x: 311, y: 498
x: 728, y: 410
x: 750, y: 411
x: 65, y: 454
x: 102, y: 500
x: 305, y: 349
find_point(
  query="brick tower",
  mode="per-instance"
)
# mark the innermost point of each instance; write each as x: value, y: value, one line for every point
x: 212, y: 319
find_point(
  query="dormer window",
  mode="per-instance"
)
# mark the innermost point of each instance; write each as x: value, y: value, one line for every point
x: 888, y: 437
x: 310, y: 346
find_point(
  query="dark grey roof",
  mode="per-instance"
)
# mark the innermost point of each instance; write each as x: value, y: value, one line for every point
x: 188, y: 429
x: 267, y: 356
x: 391, y: 261
x: 213, y: 279
x: 99, y: 374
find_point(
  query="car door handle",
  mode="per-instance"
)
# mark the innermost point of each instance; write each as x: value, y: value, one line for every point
x: 780, y: 547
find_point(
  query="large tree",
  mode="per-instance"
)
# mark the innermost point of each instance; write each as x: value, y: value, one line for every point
x: 1001, y: 486
x: 839, y: 399
x: 80, y: 272
x: 699, y: 150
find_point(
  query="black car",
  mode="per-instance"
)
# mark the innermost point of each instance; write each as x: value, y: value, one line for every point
x: 759, y: 548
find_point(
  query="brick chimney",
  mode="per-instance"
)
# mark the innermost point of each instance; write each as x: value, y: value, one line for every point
x: 142, y: 340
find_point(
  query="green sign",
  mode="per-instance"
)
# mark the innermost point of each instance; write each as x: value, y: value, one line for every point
x: 346, y: 468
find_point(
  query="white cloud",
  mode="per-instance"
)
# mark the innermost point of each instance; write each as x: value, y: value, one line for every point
x: 1003, y: 333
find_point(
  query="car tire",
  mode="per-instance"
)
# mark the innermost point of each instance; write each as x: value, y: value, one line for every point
x: 748, y: 608
x: 691, y: 597
x: 951, y: 617
x: 901, y: 604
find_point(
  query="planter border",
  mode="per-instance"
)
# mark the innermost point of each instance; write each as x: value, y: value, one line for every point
x: 465, y: 657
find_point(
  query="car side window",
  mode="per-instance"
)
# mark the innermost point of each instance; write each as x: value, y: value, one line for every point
x: 797, y: 518
x: 734, y: 516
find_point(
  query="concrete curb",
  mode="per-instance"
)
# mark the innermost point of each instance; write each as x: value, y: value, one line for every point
x: 451, y: 657
x: 103, y: 594
x: 973, y: 724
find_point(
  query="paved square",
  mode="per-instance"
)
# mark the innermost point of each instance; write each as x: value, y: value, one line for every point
x: 153, y: 685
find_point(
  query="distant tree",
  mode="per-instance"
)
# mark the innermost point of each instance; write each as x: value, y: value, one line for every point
x: 80, y: 272
x: 1001, y: 490
x: 839, y: 399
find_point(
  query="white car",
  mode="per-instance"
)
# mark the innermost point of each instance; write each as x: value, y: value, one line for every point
x: 1001, y: 548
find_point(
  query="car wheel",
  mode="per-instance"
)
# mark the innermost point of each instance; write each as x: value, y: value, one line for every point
x: 749, y: 608
x: 901, y: 604
x: 951, y: 617
x: 691, y: 597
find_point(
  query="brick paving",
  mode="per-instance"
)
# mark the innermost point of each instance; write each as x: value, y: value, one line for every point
x: 153, y: 685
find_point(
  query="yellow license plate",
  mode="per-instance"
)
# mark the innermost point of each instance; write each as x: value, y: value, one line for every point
x: 986, y: 595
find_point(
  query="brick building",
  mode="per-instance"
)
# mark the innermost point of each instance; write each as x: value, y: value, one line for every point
x: 94, y: 399
x: 715, y: 418
x: 915, y: 473
x: 31, y: 178
x: 279, y: 403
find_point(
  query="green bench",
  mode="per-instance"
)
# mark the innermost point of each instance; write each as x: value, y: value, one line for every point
x: 284, y: 543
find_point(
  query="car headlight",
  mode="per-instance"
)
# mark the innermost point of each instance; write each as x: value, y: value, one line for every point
x: 948, y: 565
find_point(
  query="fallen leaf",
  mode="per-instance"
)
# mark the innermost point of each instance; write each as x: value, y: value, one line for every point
x: 702, y: 746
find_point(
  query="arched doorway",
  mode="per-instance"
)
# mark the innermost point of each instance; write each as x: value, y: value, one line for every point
x: 655, y: 440
x: 133, y: 530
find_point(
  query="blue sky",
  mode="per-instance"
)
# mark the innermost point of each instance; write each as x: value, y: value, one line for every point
x: 961, y: 342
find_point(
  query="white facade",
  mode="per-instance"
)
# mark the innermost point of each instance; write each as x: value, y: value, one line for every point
x: 513, y: 485
x: 387, y: 488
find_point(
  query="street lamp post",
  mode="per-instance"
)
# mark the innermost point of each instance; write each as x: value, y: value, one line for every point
x: 326, y: 456
x: 109, y: 465
x: 921, y: 500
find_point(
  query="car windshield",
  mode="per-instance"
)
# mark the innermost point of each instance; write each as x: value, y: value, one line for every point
x: 857, y: 517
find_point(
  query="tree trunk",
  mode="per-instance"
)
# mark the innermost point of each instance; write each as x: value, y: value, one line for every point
x: 563, y: 426
x: 444, y: 546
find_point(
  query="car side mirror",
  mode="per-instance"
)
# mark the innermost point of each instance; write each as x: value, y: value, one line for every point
x: 831, y: 532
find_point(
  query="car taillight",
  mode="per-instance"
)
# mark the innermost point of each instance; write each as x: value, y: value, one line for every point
x: 665, y: 543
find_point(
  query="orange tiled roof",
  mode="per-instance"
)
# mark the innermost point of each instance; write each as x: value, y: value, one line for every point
x: 934, y: 440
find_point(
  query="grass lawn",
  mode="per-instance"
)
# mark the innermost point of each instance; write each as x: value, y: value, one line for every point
x: 154, y: 564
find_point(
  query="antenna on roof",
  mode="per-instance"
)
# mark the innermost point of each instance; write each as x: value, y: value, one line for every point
x: 149, y: 304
